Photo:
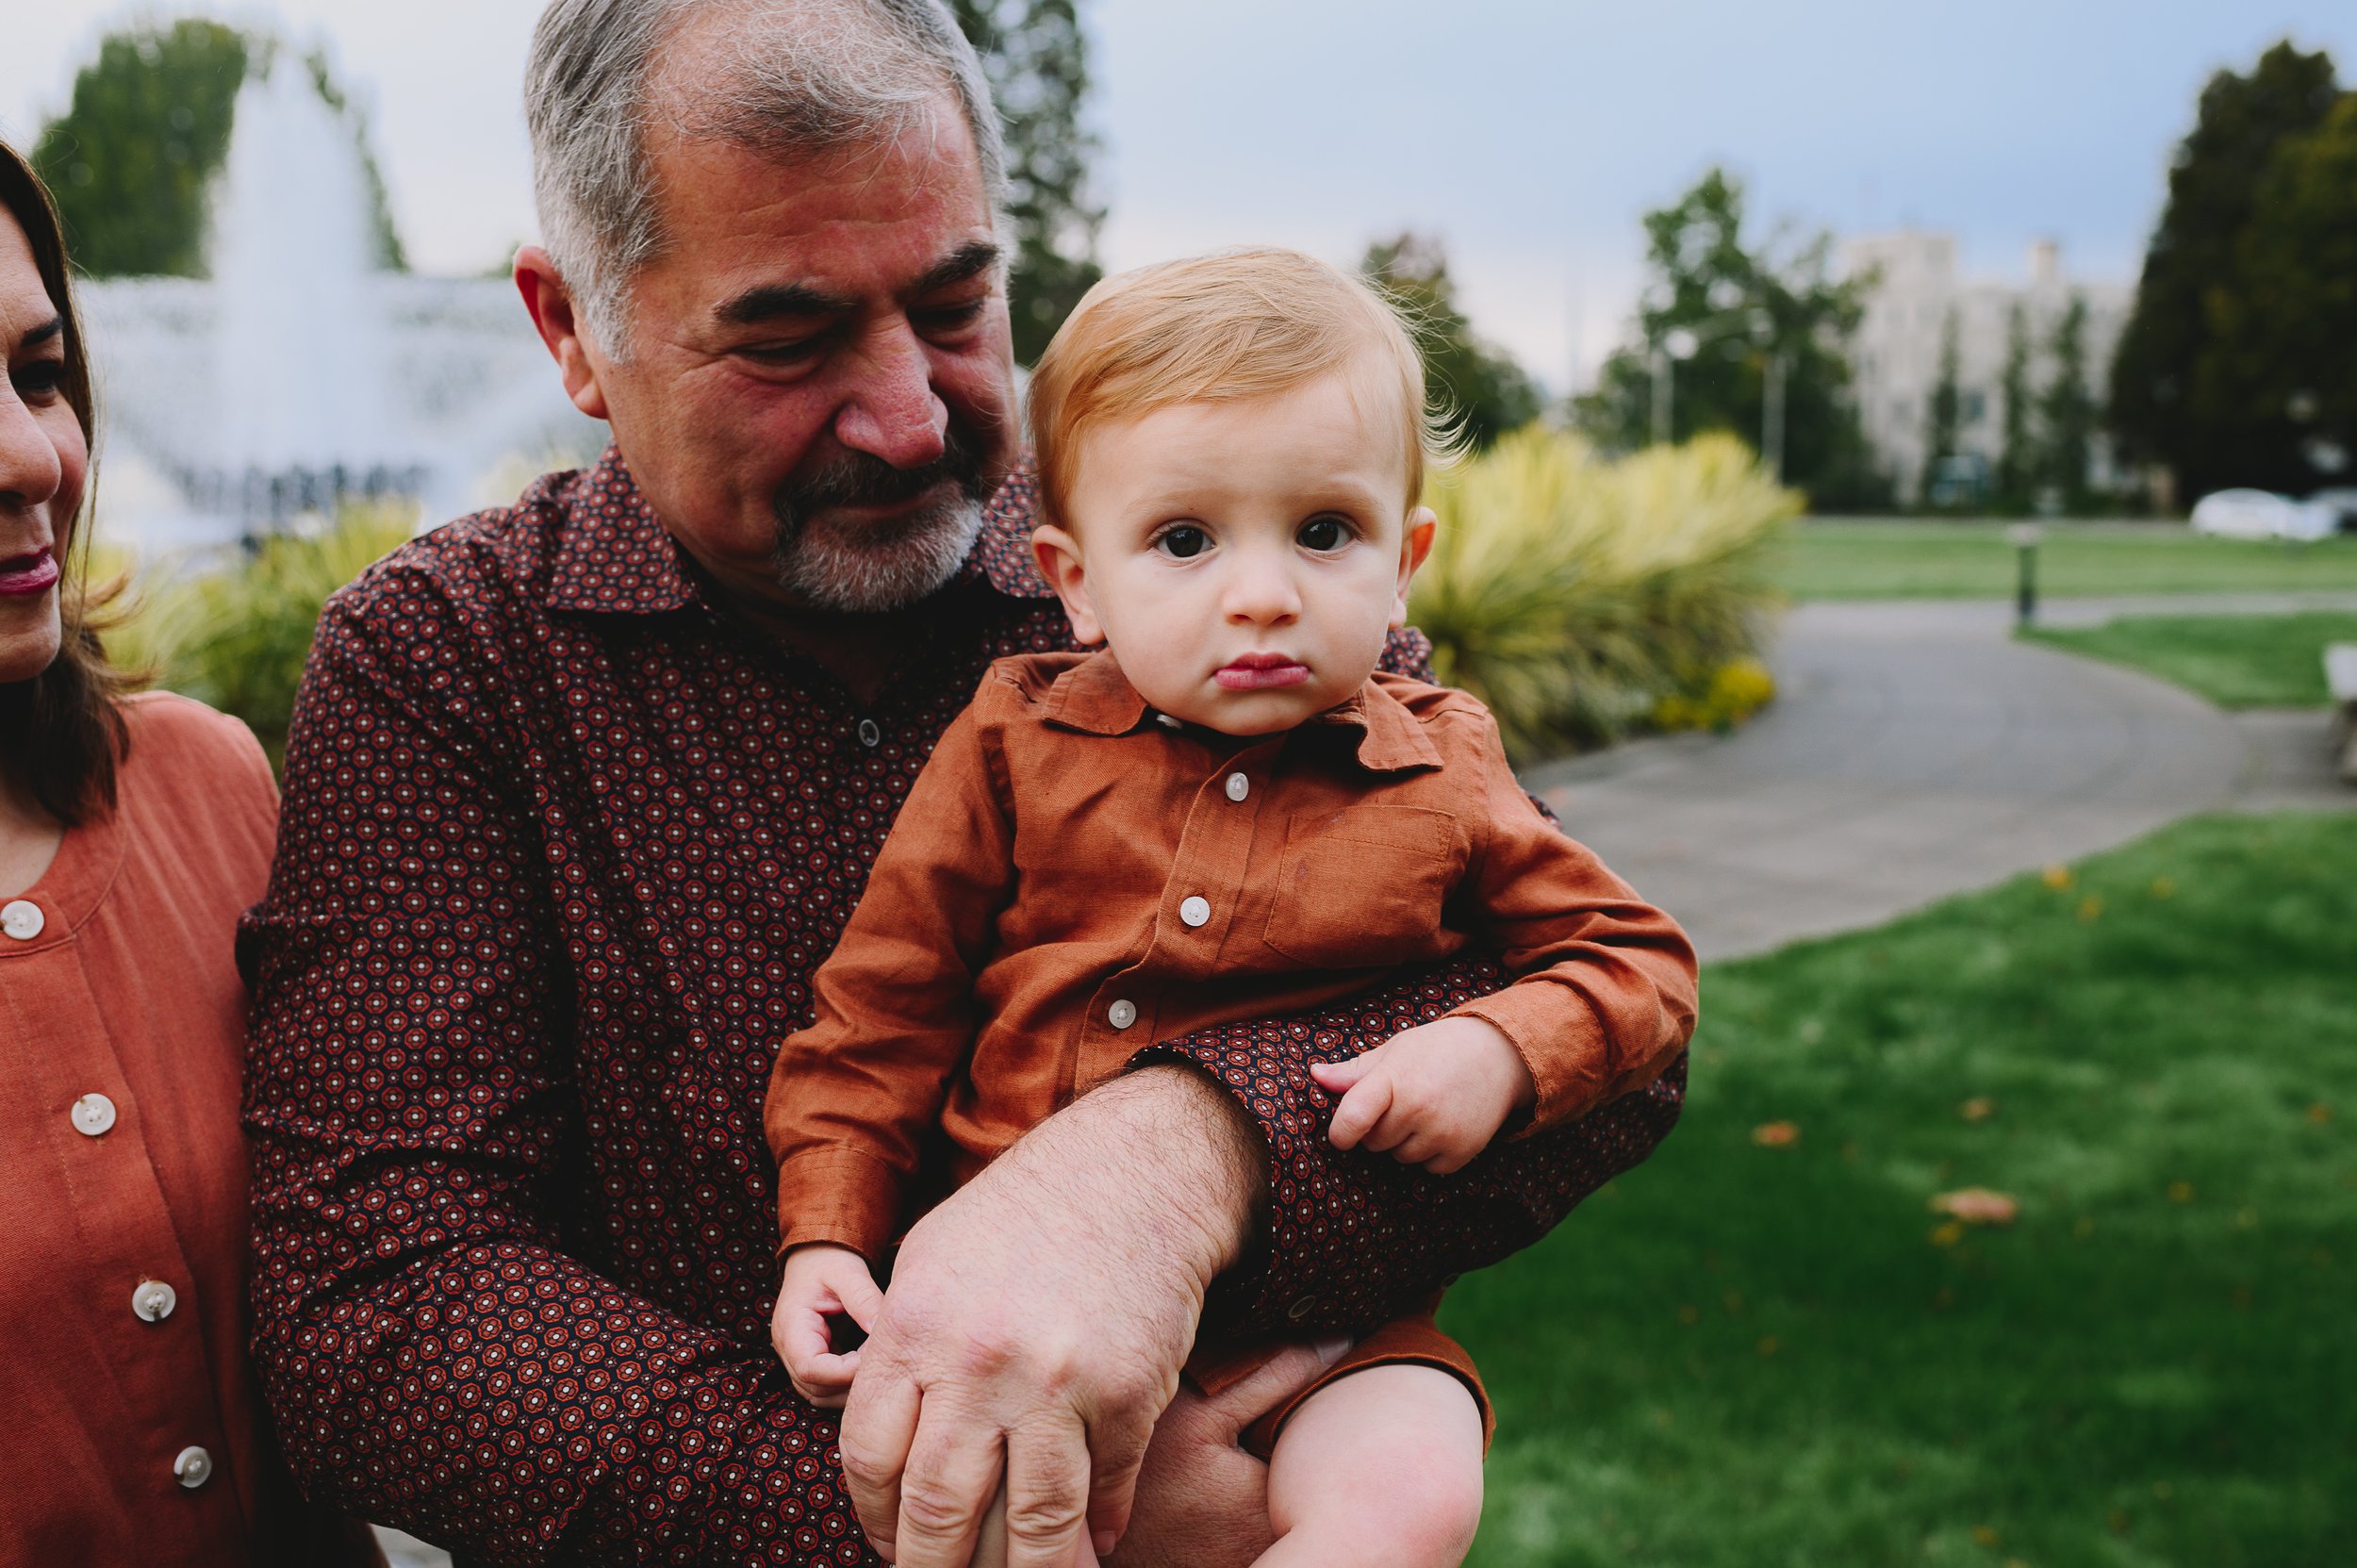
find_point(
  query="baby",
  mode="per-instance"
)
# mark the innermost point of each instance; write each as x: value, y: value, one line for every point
x: 1224, y: 814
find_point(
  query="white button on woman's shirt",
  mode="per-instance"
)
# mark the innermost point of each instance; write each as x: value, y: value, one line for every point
x: 1237, y: 786
x: 94, y: 1115
x: 22, y: 919
x: 194, y: 1467
x: 1194, y: 911
x: 154, y: 1300
x: 1122, y: 1013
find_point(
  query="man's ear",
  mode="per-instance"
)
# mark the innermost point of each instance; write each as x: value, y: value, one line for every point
x: 1415, y: 544
x: 1059, y: 558
x: 551, y: 305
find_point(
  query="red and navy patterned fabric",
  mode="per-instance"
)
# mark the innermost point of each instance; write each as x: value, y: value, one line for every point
x: 561, y: 844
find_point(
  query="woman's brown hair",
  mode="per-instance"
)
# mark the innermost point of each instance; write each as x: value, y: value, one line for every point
x: 61, y: 733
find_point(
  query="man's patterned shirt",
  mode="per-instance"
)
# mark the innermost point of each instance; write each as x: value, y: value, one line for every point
x: 562, y: 845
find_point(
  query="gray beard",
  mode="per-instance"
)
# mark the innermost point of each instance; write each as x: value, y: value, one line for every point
x: 825, y: 563
x: 852, y: 570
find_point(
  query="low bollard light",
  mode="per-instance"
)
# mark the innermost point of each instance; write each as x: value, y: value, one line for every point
x: 2025, y: 537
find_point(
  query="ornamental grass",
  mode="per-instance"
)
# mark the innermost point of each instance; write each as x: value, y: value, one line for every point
x: 1580, y: 598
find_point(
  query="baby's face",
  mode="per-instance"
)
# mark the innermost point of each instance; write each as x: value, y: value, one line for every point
x: 1243, y: 560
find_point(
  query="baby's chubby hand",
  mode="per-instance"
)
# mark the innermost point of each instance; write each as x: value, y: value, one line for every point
x: 1433, y: 1096
x: 820, y: 1281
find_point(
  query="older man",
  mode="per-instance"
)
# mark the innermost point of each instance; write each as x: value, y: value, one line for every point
x: 580, y: 793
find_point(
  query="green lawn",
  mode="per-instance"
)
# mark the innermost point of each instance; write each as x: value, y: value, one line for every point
x: 2235, y: 661
x: 1837, y: 558
x: 1744, y: 1354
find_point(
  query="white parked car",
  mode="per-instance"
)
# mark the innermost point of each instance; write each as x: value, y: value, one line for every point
x: 2262, y: 514
x: 2341, y: 500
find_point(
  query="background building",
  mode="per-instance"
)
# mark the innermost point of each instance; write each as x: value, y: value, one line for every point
x: 1898, y: 352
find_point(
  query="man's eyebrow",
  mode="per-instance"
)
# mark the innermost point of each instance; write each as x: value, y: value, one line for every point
x: 966, y: 261
x: 53, y: 328
x: 774, y: 301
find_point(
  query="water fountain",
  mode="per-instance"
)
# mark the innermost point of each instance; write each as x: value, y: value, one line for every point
x: 300, y: 375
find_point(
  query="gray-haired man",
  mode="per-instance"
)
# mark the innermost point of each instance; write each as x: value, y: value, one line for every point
x: 580, y: 793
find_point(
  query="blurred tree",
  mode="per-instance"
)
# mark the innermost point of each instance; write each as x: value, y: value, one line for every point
x: 2284, y: 351
x: 1481, y: 388
x: 2016, y: 457
x: 2066, y: 413
x: 147, y: 129
x: 1943, y: 415
x: 2156, y: 409
x: 1744, y: 305
x: 1036, y: 57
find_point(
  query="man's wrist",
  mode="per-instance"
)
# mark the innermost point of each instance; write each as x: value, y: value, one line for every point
x: 1175, y: 1154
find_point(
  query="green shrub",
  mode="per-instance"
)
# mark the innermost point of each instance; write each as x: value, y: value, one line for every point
x: 1574, y: 596
x: 236, y: 635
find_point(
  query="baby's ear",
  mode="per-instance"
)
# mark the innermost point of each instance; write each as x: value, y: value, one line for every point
x: 1058, y: 557
x: 1415, y: 544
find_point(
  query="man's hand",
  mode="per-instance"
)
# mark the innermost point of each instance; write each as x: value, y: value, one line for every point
x: 821, y: 1282
x: 1037, y: 1321
x: 1433, y: 1096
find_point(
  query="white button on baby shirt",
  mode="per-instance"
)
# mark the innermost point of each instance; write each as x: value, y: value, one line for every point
x: 1122, y: 1013
x: 154, y: 1300
x: 94, y: 1115
x: 1194, y: 911
x: 22, y: 919
x: 1237, y: 786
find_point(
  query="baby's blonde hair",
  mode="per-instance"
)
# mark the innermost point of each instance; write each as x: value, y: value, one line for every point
x: 1224, y: 327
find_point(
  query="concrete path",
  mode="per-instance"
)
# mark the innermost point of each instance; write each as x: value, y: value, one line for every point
x: 1918, y: 750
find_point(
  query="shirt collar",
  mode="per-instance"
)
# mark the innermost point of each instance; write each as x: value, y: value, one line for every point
x: 615, y: 557
x: 1094, y: 697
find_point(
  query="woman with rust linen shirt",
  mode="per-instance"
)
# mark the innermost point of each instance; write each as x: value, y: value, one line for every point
x: 133, y: 830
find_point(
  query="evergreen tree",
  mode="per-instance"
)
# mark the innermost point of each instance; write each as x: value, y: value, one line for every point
x: 1481, y: 388
x: 1036, y: 57
x: 2212, y: 189
x: 1744, y: 306
x: 2017, y: 460
x: 1943, y: 417
x: 2283, y: 366
x: 2066, y: 412
x: 147, y: 130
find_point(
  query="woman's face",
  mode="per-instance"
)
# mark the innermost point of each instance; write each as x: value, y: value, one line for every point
x: 44, y: 460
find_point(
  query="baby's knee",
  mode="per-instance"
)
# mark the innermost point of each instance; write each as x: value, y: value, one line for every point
x: 1434, y: 1481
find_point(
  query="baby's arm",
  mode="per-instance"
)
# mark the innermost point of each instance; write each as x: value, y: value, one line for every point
x: 821, y: 1281
x: 1604, y: 1000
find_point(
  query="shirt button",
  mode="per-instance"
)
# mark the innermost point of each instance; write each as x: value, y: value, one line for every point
x: 154, y: 1300
x: 1168, y: 720
x: 22, y: 919
x: 194, y: 1467
x: 869, y: 733
x: 1122, y: 1013
x: 1237, y: 786
x: 94, y: 1115
x: 1302, y: 1308
x: 1195, y: 912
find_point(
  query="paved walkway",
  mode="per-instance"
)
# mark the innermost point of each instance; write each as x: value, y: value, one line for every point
x: 1918, y: 750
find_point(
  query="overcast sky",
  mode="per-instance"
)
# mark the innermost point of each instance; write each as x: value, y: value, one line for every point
x: 1529, y: 134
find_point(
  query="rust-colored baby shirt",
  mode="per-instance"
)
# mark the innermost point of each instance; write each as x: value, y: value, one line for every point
x: 1074, y: 876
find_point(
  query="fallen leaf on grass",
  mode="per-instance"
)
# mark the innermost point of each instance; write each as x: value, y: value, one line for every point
x: 1948, y: 1235
x: 1777, y: 1134
x: 2091, y: 907
x: 2180, y: 1191
x: 2164, y: 887
x: 2058, y: 877
x: 1978, y: 1206
x: 2319, y: 1112
x: 1978, y: 1108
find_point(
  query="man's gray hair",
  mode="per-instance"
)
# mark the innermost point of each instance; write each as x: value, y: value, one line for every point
x: 789, y: 78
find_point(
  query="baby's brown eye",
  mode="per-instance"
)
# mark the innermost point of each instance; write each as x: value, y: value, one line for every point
x: 1321, y: 534
x: 1183, y: 542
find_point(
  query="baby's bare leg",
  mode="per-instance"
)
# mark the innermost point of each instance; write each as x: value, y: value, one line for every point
x: 1381, y: 1469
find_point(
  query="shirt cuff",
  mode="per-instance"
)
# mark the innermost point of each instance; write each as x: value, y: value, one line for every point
x: 841, y: 1195
x: 1560, y: 1041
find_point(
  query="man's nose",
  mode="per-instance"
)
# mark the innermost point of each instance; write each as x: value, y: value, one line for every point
x: 30, y: 472
x: 892, y: 412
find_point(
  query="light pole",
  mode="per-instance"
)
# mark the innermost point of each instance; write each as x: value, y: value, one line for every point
x: 1682, y: 343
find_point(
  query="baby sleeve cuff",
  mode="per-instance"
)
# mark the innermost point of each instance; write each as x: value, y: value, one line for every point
x: 1565, y: 1056
x: 840, y: 1195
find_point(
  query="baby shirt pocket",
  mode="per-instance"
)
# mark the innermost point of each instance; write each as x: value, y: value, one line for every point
x: 1363, y: 886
